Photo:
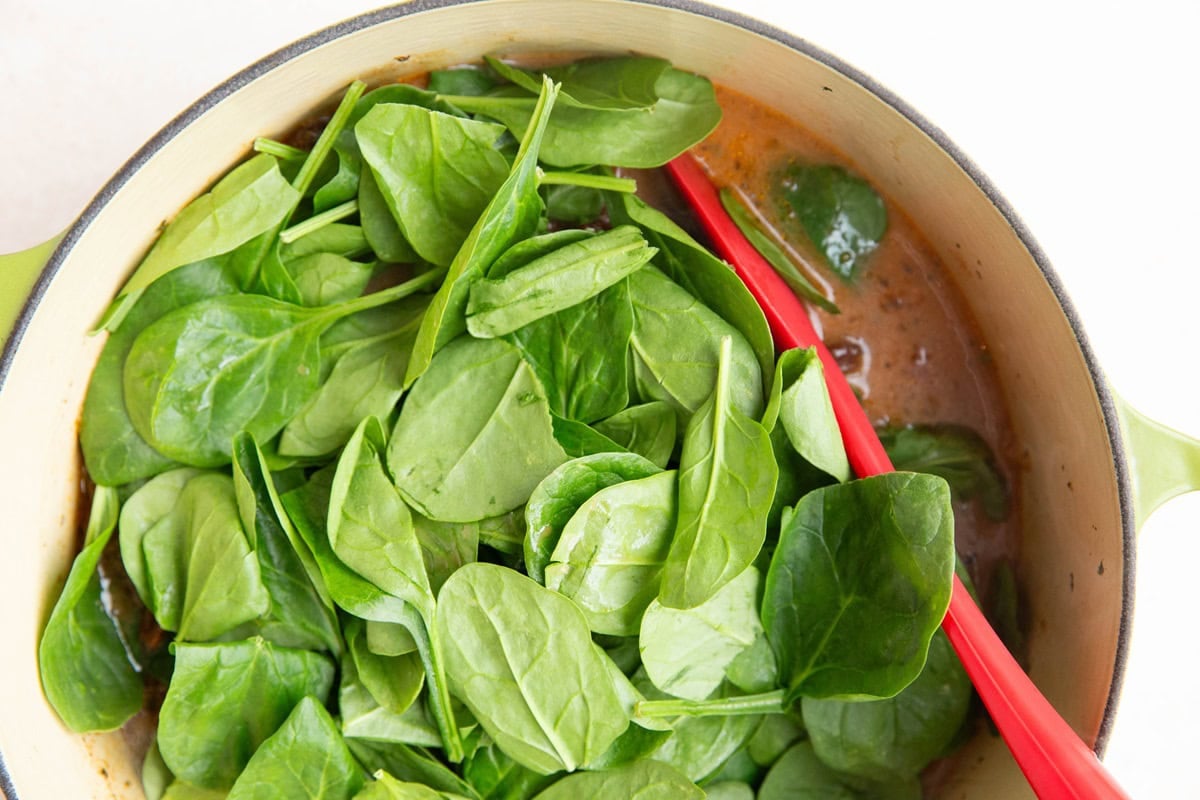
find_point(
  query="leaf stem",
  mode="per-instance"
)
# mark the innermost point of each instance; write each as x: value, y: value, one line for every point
x: 389, y: 295
x: 766, y: 703
x: 318, y: 221
x: 308, y: 170
x: 605, y: 182
x: 280, y: 150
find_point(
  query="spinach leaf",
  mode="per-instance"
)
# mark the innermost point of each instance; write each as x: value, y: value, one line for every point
x: 478, y: 406
x: 365, y: 719
x: 858, y: 585
x: 322, y: 279
x: 179, y: 790
x: 204, y: 373
x: 495, y: 776
x: 406, y: 763
x: 611, y: 552
x: 686, y: 652
x: 513, y: 214
x: 566, y: 277
x: 676, y: 345
x: 599, y: 83
x: 800, y: 404
x: 146, y: 507
x: 466, y: 80
x: 226, y: 699
x: 699, y: 746
x: 578, y: 440
x: 521, y: 658
x: 754, y: 670
x: 728, y: 790
x: 956, y: 453
x: 393, y: 681
x: 727, y: 477
x: 300, y: 613
x: 252, y: 199
x: 684, y: 113
x: 571, y: 204
x: 556, y: 498
x: 446, y: 546
x: 379, y: 226
x: 385, y: 787
x: 644, y: 780
x: 773, y: 253
x: 774, y: 736
x: 647, y: 429
x: 892, y: 739
x: 338, y: 238
x: 700, y: 273
x: 86, y: 669
x: 305, y: 757
x: 437, y: 172
x: 113, y: 451
x: 800, y: 774
x: 840, y: 212
x: 201, y: 577
x: 371, y: 531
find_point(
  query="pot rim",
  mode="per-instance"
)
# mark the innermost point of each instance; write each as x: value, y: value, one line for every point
x: 371, y: 18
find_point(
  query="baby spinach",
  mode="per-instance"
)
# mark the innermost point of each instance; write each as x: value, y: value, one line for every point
x: 521, y: 658
x: 559, y: 495
x: 610, y: 553
x: 437, y: 172
x: 799, y: 403
x: 956, y: 453
x: 676, y: 345
x: 407, y: 763
x: 580, y: 355
x: 699, y: 746
x: 727, y: 476
x: 393, y: 681
x: 300, y: 612
x: 895, y: 738
x: 686, y: 652
x: 495, y: 776
x: 644, y: 780
x: 685, y: 111
x: 554, y: 282
x: 647, y: 429
x: 578, y: 440
x: 478, y: 406
x: 86, y: 669
x: 858, y: 585
x: 226, y: 699
x: 363, y: 718
x: 513, y: 214
x: 843, y: 216
x: 113, y: 451
x: 252, y: 199
x: 600, y: 83
x: 305, y: 757
x: 205, y: 372
x: 379, y: 226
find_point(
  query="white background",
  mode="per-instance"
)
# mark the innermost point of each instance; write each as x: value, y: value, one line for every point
x: 1082, y: 114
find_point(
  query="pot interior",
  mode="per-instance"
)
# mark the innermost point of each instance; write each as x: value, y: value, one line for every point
x: 1073, y: 555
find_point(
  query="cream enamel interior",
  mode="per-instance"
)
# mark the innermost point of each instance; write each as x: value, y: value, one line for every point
x: 1073, y: 521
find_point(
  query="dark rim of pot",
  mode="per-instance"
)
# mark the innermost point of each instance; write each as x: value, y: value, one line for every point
x: 370, y: 19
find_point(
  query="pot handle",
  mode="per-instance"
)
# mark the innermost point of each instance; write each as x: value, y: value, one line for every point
x: 1163, y: 462
x: 18, y: 272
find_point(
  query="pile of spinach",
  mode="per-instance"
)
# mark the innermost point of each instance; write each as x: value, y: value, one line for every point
x: 543, y: 517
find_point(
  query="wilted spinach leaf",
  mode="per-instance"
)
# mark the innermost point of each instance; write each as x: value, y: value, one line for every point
x: 956, y: 453
x: 840, y: 212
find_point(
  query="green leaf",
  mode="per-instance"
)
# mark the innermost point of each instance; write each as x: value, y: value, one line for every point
x: 86, y: 670
x: 956, y: 453
x: 495, y: 776
x: 379, y: 226
x: 841, y: 213
x: 385, y: 787
x: 727, y: 477
x: 513, y: 214
x: 685, y: 112
x: 700, y: 273
x: 800, y: 775
x: 599, y: 83
x: 699, y: 746
x: 252, y: 199
x: 521, y: 658
x: 446, y: 546
x: 179, y: 790
x: 478, y: 406
x: 800, y: 404
x: 305, y: 757
x: 554, y: 282
x: 414, y: 764
x: 436, y: 172
x: 578, y: 440
x: 647, y: 429
x: 461, y: 81
x: 610, y: 554
x: 894, y: 739
x: 113, y: 451
x: 644, y: 780
x: 365, y: 719
x: 225, y: 700
x: 686, y: 652
x: 580, y: 355
x: 858, y: 585
x: 676, y: 345
x: 556, y: 499
x: 773, y: 253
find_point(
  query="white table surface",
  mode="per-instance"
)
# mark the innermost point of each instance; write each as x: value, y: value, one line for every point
x: 1082, y: 114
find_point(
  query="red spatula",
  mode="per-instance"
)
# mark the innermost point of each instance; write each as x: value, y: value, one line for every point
x: 1055, y: 760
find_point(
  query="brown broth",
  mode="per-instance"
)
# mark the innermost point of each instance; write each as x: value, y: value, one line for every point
x: 905, y: 337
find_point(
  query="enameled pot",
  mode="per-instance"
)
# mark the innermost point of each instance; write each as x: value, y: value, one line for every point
x: 1078, y: 512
